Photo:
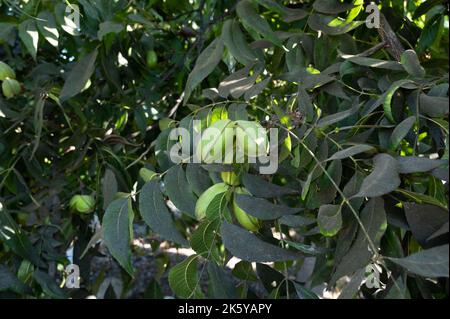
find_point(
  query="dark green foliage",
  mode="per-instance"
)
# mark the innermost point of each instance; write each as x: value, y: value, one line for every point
x: 362, y: 183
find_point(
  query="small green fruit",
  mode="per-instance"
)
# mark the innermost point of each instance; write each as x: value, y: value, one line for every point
x: 251, y: 138
x: 83, y: 204
x: 22, y: 218
x: 152, y: 59
x: 217, y: 143
x: 10, y: 87
x: 205, y: 199
x: 166, y: 123
x: 6, y: 71
x: 218, y: 113
x: 230, y: 178
x: 247, y: 221
x: 146, y: 174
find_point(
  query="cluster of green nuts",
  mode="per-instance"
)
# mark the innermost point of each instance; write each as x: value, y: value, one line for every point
x: 231, y: 183
x: 234, y: 138
x: 10, y: 86
x: 247, y: 138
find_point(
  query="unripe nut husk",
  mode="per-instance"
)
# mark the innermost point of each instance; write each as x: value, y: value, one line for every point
x: 6, y: 71
x: 230, y: 178
x: 249, y: 222
x: 83, y: 204
x: 10, y: 87
x: 216, y: 145
x: 205, y: 199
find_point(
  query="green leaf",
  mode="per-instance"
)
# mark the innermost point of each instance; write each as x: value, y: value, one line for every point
x: 272, y: 5
x: 373, y: 218
x: 430, y: 33
x: 444, y: 229
x: 325, y: 190
x: 29, y: 35
x: 431, y: 262
x: 248, y: 15
x: 183, y: 279
x: 217, y: 206
x: 204, y: 239
x: 434, y: 106
x: 292, y: 15
x: 47, y: 27
x: 354, y: 12
x: 89, y: 9
x: 244, y: 270
x: 205, y: 64
x: 108, y: 27
x: 179, y: 191
x: 109, y: 187
x: 221, y: 285
x: 307, y: 185
x: 153, y: 291
x: 399, y: 290
x: 238, y: 112
x: 13, y: 237
x: 235, y: 42
x: 383, y: 179
x: 424, y: 7
x: 117, y: 223
x: 8, y: 281
x: 288, y: 14
x: 262, y: 208
x: 374, y: 63
x: 320, y: 22
x: 421, y: 198
x: 336, y: 89
x: 5, y: 30
x: 273, y: 281
x: 350, y: 290
x: 259, y: 187
x: 390, y: 93
x: 256, y: 89
x: 337, y: 117
x: 331, y: 6
x: 329, y: 219
x: 237, y: 83
x: 247, y: 246
x: 307, y: 249
x: 303, y: 292
x: 305, y: 105
x: 400, y: 131
x: 49, y: 285
x: 411, y: 63
x: 162, y: 147
x: 313, y: 81
x: 156, y: 215
x: 351, y: 151
x: 424, y: 220
x: 197, y: 178
x: 414, y: 164
x: 78, y: 77
x: 296, y: 221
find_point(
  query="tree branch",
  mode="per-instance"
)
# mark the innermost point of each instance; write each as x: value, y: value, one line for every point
x: 388, y: 36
